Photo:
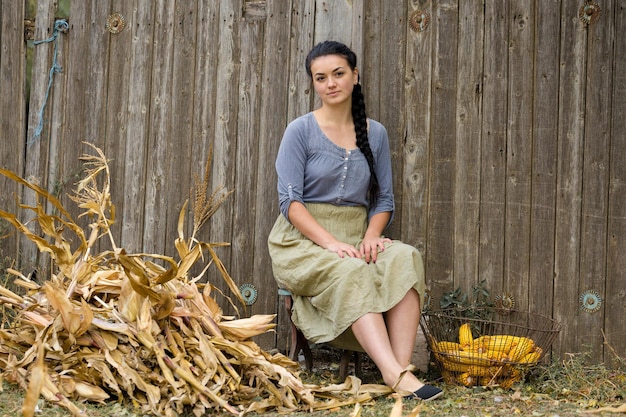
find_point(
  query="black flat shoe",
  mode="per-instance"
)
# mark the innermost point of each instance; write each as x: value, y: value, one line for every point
x: 426, y: 393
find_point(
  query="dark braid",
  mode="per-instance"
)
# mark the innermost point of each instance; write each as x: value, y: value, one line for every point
x: 359, y: 116
x: 362, y: 141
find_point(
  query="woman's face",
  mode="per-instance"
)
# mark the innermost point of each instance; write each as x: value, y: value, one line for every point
x: 333, y: 79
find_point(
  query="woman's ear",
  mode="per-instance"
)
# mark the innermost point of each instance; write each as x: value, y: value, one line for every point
x: 356, y: 75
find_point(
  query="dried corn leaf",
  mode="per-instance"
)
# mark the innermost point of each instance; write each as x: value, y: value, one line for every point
x: 40, y: 191
x: 36, y: 383
x: 247, y: 328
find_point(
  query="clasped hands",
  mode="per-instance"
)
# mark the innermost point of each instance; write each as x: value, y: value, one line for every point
x: 368, y: 249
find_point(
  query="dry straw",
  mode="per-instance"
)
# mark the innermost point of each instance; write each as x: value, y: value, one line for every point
x: 120, y: 326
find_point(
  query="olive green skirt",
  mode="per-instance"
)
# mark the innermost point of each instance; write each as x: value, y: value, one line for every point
x: 330, y: 293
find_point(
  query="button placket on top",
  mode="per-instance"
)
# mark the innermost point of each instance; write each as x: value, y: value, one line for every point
x: 342, y: 183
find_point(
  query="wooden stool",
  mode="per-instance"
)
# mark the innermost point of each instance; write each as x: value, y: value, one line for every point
x: 300, y: 343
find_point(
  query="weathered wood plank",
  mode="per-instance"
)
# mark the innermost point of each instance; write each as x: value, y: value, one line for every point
x: 271, y: 126
x: 205, y: 95
x: 83, y: 97
x: 595, y: 170
x: 12, y: 115
x: 394, y: 26
x: 251, y: 76
x: 519, y: 152
x: 36, y: 153
x: 442, y: 147
x: 300, y: 94
x: 615, y: 293
x: 141, y: 52
x: 370, y: 73
x: 468, y: 144
x: 116, y: 130
x: 414, y: 172
x: 161, y: 178
x: 95, y: 77
x: 333, y: 21
x: 66, y: 136
x: 545, y: 122
x: 569, y: 177
x: 226, y: 114
x: 181, y: 149
x: 356, y: 38
x: 493, y: 146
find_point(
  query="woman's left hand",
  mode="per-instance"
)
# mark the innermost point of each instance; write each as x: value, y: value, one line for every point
x: 370, y: 246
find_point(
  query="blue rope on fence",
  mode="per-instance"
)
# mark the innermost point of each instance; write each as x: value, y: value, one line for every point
x: 59, y: 26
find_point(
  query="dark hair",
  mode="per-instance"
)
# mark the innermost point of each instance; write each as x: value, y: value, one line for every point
x: 358, y: 106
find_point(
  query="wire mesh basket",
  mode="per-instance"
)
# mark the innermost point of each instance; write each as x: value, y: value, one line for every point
x: 487, y: 346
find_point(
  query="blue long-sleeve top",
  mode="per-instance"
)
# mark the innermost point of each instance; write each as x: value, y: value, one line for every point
x: 313, y: 169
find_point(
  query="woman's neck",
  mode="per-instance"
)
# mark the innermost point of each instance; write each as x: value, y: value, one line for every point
x: 335, y: 116
x: 337, y: 126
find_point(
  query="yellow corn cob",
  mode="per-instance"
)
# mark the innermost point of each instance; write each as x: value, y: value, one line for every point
x: 520, y: 339
x: 468, y: 358
x: 521, y: 349
x: 448, y: 376
x: 454, y: 366
x: 448, y: 347
x: 531, y: 357
x: 500, y: 343
x: 465, y: 335
x: 497, y: 356
x: 515, y: 376
x: 479, y: 344
x: 466, y: 379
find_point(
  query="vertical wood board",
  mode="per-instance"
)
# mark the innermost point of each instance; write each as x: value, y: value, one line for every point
x: 544, y: 156
x: 493, y: 146
x: 468, y: 145
x: 12, y: 115
x: 519, y: 152
x: 569, y: 176
x: 442, y: 149
x: 595, y: 173
x: 161, y: 149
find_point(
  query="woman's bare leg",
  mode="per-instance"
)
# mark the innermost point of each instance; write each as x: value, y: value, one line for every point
x: 402, y: 323
x: 372, y: 334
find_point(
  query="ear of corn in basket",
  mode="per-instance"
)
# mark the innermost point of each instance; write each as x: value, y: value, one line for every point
x: 466, y: 339
x: 487, y: 359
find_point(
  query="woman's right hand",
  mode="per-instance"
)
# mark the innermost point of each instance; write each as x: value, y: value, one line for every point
x: 343, y: 249
x: 309, y: 227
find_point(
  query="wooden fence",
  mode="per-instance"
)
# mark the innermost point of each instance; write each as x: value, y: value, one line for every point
x: 506, y: 121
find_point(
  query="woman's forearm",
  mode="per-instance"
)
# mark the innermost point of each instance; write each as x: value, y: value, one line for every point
x: 377, y: 224
x: 302, y: 220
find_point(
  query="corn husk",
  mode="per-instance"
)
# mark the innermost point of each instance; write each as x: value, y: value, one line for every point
x: 118, y: 326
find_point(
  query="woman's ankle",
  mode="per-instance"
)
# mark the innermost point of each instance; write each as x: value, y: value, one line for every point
x: 406, y: 381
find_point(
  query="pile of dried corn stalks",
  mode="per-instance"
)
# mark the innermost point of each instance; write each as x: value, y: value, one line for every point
x: 119, y: 326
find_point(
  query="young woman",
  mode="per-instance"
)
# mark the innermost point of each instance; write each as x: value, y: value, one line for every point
x: 327, y: 247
